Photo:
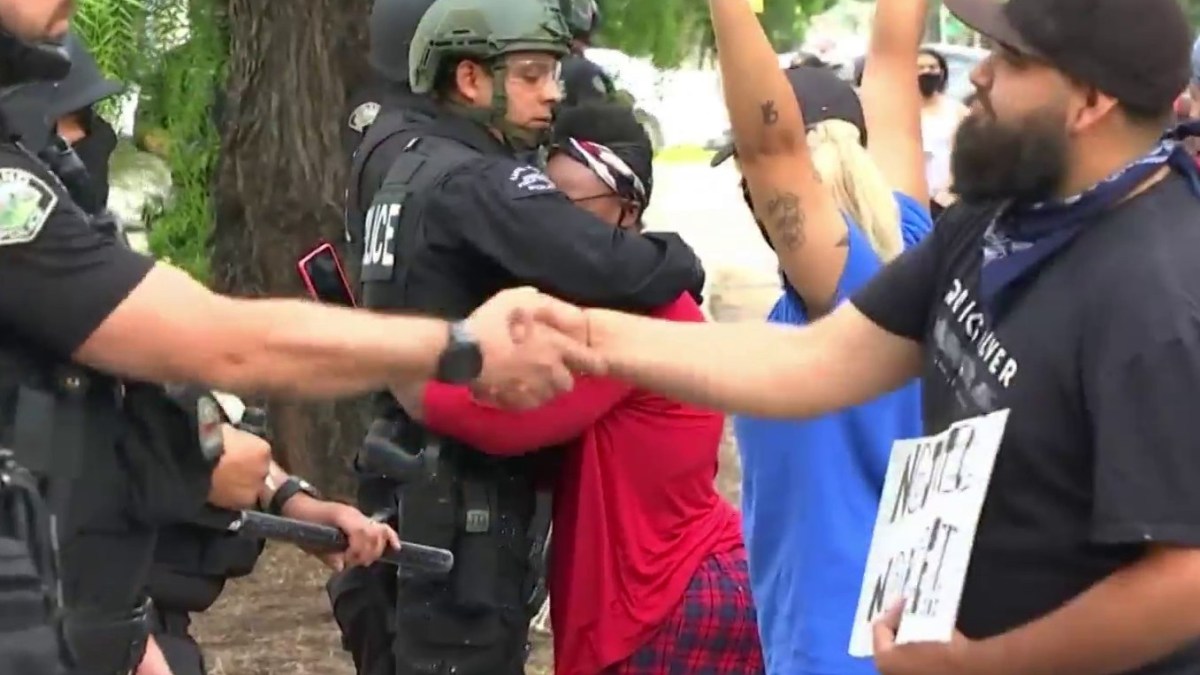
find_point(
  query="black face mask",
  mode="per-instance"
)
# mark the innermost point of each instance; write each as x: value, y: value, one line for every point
x: 95, y: 150
x: 929, y: 83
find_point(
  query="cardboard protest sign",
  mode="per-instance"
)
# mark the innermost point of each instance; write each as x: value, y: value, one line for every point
x: 925, y: 530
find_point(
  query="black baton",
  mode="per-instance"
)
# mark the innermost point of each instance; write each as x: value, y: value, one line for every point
x: 410, y: 557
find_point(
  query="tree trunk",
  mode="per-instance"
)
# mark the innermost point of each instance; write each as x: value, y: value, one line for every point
x: 280, y: 184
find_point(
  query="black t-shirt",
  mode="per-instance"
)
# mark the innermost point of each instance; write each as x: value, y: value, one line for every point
x: 1098, y: 359
x: 59, y: 277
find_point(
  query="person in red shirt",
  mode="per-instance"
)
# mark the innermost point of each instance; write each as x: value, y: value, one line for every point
x: 648, y: 571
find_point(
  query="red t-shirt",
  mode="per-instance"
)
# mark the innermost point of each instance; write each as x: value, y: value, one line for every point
x: 635, y: 505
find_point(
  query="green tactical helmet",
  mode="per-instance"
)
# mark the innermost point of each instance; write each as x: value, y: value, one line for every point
x: 483, y: 30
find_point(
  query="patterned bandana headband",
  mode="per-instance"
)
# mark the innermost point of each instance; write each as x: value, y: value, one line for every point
x: 609, y: 168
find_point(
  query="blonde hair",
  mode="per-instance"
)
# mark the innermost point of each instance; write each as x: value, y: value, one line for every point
x: 860, y: 190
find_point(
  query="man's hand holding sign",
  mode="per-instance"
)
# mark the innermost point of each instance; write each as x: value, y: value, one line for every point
x: 925, y: 530
x: 924, y: 533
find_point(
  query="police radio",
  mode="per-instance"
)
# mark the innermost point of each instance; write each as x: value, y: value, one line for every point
x: 323, y: 276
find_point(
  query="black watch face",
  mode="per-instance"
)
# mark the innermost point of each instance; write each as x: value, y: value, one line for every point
x: 461, y: 363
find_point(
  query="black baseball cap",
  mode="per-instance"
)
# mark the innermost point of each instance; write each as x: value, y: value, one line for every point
x: 1137, y: 51
x: 822, y: 96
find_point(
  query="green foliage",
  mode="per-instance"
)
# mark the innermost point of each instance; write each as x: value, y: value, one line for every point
x: 114, y: 31
x: 176, y: 117
x: 1192, y: 7
x: 669, y: 31
x: 174, y: 52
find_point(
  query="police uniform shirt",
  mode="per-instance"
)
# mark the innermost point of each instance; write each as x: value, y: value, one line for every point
x: 494, y: 222
x: 1097, y: 358
x: 59, y: 277
x: 584, y: 81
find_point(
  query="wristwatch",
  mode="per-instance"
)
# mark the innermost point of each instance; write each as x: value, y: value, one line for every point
x: 461, y: 362
x: 290, y: 488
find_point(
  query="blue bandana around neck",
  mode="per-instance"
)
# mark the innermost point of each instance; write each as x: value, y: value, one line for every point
x: 1021, y: 238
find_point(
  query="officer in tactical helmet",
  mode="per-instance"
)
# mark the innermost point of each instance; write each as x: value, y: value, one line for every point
x: 79, y: 310
x: 583, y: 80
x: 463, y: 212
x: 380, y: 110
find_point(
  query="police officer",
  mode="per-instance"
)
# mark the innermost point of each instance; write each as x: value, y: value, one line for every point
x: 458, y: 217
x: 390, y: 30
x: 388, y: 99
x: 77, y: 305
x: 193, y: 562
x: 582, y: 79
x: 67, y: 109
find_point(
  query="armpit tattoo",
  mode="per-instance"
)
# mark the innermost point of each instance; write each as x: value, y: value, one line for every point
x: 785, y: 220
x: 769, y: 114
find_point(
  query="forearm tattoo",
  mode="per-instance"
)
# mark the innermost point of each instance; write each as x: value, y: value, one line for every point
x: 785, y: 219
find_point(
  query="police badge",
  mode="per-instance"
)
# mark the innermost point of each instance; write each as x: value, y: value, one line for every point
x: 26, y: 202
x: 364, y: 116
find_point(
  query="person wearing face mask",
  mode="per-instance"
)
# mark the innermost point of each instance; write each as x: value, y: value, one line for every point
x: 66, y: 109
x: 940, y: 115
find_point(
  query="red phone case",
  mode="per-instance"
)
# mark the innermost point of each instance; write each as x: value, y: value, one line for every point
x: 302, y: 267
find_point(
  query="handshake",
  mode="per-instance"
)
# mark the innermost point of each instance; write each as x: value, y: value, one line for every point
x: 532, y: 345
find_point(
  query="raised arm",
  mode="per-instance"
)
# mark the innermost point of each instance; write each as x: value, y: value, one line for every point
x: 890, y: 98
x: 799, y: 214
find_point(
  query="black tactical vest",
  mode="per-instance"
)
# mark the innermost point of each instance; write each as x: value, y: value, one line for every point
x: 485, y: 509
x: 30, y: 571
x: 95, y: 446
x: 386, y: 126
x: 66, y: 422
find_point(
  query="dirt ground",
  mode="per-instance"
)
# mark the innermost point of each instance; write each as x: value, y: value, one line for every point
x: 278, y: 621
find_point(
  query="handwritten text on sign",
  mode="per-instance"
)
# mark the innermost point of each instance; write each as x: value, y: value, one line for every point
x: 925, y: 529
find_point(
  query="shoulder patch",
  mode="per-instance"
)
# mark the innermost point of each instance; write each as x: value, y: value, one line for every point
x: 26, y: 201
x: 364, y: 116
x: 527, y: 181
